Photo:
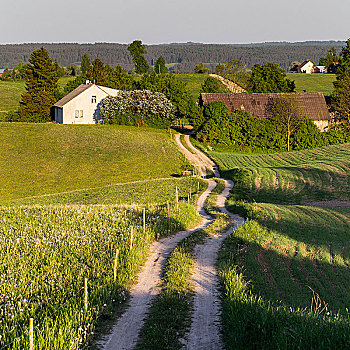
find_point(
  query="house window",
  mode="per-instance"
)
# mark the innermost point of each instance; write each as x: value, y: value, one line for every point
x: 93, y: 99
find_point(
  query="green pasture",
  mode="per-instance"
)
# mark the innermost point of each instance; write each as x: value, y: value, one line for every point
x: 11, y: 91
x: 313, y: 82
x: 42, y: 159
x: 194, y: 82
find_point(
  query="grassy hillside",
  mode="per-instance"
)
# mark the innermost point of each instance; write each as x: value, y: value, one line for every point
x: 286, y: 271
x: 313, y: 82
x: 44, y: 159
x: 194, y: 82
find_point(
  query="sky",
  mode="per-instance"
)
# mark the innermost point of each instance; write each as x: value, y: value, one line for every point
x: 155, y: 21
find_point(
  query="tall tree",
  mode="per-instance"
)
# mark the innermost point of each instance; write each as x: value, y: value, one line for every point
x: 85, y: 65
x: 41, y: 85
x: 120, y: 79
x: 160, y: 67
x: 287, y: 113
x: 99, y: 72
x: 269, y: 78
x: 137, y: 51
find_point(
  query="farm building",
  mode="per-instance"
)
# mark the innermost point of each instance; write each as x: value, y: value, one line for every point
x: 82, y: 105
x: 312, y: 104
x: 307, y: 67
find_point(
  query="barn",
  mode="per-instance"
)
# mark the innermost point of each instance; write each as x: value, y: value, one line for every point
x: 312, y: 104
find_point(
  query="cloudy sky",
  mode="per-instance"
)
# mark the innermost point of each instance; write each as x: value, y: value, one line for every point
x: 155, y: 21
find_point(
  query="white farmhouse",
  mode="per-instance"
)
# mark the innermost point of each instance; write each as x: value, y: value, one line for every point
x: 307, y: 67
x: 82, y: 105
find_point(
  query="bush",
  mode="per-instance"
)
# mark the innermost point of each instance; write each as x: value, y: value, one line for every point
x: 138, y: 107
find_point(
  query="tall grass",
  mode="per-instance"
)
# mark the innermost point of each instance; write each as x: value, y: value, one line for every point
x: 46, y: 252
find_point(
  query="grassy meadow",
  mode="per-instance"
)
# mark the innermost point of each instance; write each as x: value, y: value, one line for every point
x: 41, y: 159
x: 313, y: 82
x: 286, y: 270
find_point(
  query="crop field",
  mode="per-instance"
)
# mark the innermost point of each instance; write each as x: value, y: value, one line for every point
x: 41, y: 159
x: 46, y: 252
x: 286, y: 270
x: 313, y: 82
x: 319, y: 174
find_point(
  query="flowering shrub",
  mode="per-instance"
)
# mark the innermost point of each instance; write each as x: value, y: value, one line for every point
x: 138, y: 107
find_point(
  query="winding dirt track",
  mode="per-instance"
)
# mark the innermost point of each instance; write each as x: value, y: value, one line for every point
x: 124, y: 333
x: 205, y: 330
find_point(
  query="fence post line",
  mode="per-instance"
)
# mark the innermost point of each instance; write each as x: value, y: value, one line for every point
x: 86, y: 295
x: 115, y: 264
x: 144, y: 220
x: 31, y: 334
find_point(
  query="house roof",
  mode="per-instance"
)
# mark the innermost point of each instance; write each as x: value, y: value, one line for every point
x: 312, y: 104
x: 81, y: 88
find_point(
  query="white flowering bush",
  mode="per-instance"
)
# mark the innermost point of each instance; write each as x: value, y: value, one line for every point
x: 138, y: 107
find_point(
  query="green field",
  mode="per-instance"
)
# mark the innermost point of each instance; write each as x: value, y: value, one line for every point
x: 194, y: 82
x: 285, y: 252
x: 11, y: 91
x: 313, y: 82
x: 39, y: 159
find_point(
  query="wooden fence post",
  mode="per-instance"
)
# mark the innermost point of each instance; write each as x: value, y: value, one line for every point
x: 86, y: 294
x: 115, y: 264
x: 144, y: 220
x: 31, y: 334
x: 131, y: 237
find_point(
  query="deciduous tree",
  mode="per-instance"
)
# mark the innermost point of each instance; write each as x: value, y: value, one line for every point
x: 137, y: 51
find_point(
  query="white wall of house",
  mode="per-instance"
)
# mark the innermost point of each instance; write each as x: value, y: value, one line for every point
x: 308, y: 68
x: 84, y: 108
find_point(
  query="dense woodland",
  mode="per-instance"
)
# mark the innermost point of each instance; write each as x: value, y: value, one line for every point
x: 186, y: 56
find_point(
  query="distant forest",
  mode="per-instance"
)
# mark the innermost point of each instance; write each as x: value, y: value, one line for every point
x: 183, y: 57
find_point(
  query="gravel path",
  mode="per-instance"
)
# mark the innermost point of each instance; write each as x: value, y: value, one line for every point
x: 124, y: 334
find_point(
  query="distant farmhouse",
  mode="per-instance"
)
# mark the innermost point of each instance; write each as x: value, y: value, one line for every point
x: 307, y: 67
x: 82, y: 105
x: 312, y: 104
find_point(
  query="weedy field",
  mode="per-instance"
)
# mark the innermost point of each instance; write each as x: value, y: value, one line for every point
x: 286, y: 271
x: 313, y: 82
x: 47, y: 252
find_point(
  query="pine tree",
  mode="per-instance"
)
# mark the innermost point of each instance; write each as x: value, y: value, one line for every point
x: 41, y: 86
x: 85, y: 65
x: 137, y: 51
x: 160, y: 67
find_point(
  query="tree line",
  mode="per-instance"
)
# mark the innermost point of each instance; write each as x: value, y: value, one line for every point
x: 186, y: 56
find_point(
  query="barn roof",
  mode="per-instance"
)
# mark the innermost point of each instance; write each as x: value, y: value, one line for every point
x: 81, y: 88
x: 312, y: 104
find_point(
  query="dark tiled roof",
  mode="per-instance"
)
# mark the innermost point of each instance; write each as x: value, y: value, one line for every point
x: 81, y: 88
x: 312, y: 104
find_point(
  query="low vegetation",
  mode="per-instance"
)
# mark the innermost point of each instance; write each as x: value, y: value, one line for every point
x: 285, y: 271
x: 43, y: 159
x: 47, y: 252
